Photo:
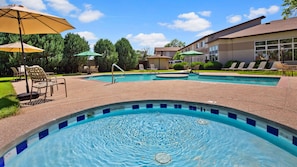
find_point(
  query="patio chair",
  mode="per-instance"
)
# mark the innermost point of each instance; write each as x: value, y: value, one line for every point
x: 261, y: 66
x: 240, y: 66
x: 152, y: 67
x: 41, y: 80
x: 141, y: 67
x: 231, y: 67
x: 17, y: 74
x: 250, y: 66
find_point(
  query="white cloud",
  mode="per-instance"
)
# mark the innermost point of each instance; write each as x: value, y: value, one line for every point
x: 262, y: 11
x: 62, y: 6
x: 148, y: 40
x: 89, y: 15
x: 188, y: 22
x: 32, y: 4
x: 87, y: 35
x: 205, y: 13
x: 204, y: 33
x: 234, y: 18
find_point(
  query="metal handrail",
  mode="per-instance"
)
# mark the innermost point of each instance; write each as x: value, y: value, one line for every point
x: 112, y: 69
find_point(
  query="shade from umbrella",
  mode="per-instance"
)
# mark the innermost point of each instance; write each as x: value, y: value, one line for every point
x: 17, y: 47
x: 20, y: 20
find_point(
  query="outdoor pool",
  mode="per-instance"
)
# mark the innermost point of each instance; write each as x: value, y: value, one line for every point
x: 158, y: 133
x: 251, y: 80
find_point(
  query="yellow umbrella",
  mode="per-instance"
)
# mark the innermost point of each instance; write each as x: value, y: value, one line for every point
x: 20, y: 20
x: 17, y: 47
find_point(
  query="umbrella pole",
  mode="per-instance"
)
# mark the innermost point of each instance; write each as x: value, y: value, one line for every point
x: 23, y: 53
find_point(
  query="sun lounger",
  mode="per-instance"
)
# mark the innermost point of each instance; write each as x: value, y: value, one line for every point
x: 232, y: 67
x: 250, y: 66
x: 240, y: 66
x: 261, y: 66
x: 141, y: 67
x: 276, y: 66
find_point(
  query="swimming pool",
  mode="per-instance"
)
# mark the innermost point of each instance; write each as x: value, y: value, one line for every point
x: 252, y: 80
x: 137, y: 133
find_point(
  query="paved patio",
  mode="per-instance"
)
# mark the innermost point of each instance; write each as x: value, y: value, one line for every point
x: 275, y: 103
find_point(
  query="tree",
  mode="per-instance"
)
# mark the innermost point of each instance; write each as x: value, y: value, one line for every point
x: 290, y: 8
x: 175, y: 43
x: 73, y: 44
x: 53, y: 46
x: 178, y: 56
x: 107, y: 49
x: 127, y: 57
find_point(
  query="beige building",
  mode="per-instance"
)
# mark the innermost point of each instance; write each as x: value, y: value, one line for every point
x: 250, y: 41
x: 166, y: 51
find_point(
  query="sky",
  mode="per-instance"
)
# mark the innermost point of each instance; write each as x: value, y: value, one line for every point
x: 152, y: 23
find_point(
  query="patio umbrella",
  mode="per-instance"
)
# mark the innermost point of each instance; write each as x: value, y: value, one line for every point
x: 88, y: 54
x: 17, y: 47
x: 191, y: 53
x: 20, y: 20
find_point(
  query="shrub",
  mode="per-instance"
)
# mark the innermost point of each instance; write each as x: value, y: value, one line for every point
x: 212, y: 65
x: 179, y: 66
x: 198, y: 63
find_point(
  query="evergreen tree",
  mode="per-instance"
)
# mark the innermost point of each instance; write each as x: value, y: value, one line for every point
x: 73, y: 44
x: 127, y: 57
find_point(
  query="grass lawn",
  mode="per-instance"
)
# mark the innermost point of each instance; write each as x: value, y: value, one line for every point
x: 9, y: 104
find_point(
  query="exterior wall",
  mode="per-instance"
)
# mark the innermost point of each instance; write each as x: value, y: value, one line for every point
x: 242, y: 49
x: 161, y: 64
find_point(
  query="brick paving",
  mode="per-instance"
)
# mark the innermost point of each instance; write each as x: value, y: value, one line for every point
x: 277, y: 103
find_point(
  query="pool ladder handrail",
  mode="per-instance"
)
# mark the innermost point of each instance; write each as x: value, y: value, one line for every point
x: 112, y: 69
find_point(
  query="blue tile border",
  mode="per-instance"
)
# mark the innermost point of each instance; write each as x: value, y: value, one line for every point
x: 272, y: 130
x: 43, y: 134
x: 80, y: 118
x: 149, y: 105
x: 21, y: 147
x: 63, y: 124
x: 271, y: 127
x: 250, y: 121
x: 2, y: 162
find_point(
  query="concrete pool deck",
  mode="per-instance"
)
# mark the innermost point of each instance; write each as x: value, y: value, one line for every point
x: 277, y: 103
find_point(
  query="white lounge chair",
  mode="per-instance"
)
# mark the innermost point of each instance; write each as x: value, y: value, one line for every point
x: 231, y: 67
x: 152, y: 67
x: 261, y: 66
x: 141, y: 67
x: 250, y: 66
x: 276, y: 66
x: 240, y: 66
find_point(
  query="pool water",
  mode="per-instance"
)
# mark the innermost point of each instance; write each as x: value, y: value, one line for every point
x: 125, y: 138
x: 263, y: 81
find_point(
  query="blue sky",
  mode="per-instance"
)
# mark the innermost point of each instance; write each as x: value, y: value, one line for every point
x: 152, y: 23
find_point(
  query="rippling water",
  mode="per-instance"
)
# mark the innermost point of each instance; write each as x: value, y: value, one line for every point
x: 134, y: 140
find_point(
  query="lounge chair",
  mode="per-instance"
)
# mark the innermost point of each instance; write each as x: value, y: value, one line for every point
x: 261, y: 66
x: 141, y: 67
x: 231, y: 67
x: 41, y: 80
x: 240, y: 66
x: 17, y: 74
x: 250, y: 66
x: 152, y: 67
x: 276, y: 66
